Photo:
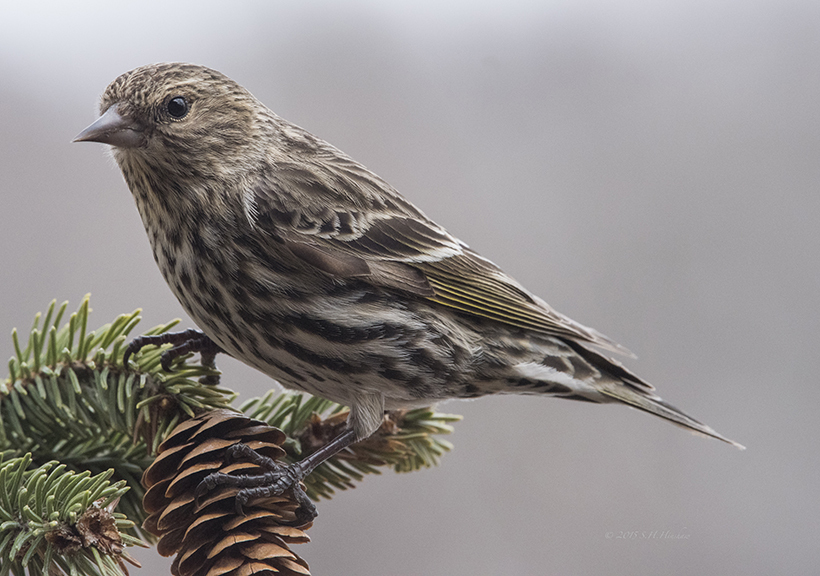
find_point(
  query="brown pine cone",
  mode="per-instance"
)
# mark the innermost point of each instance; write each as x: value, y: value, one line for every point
x: 209, y: 537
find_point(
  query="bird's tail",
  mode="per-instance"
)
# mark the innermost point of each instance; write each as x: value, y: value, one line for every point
x: 648, y: 402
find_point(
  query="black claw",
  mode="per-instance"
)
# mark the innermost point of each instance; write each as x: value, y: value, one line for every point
x: 242, y: 498
x: 190, y: 340
x: 207, y: 484
x: 277, y: 479
x: 165, y: 360
x: 306, y: 512
x: 238, y: 452
x: 133, y: 347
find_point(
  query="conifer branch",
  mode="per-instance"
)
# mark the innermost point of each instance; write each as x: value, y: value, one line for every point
x: 55, y: 519
x: 78, y: 429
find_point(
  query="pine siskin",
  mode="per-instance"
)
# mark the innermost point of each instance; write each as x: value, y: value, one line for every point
x: 295, y: 259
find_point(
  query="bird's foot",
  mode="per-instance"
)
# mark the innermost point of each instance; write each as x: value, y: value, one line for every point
x: 190, y: 340
x: 275, y: 480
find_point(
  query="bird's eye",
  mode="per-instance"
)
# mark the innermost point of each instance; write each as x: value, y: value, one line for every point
x: 177, y: 107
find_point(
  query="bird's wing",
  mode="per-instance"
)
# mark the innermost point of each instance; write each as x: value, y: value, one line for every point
x: 391, y: 244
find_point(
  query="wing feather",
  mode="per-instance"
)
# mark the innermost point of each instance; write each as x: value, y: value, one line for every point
x: 391, y: 244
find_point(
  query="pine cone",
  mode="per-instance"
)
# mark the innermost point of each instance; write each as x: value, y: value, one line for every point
x: 211, y: 538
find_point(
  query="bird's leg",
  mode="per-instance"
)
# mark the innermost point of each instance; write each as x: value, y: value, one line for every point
x: 277, y: 477
x: 190, y: 340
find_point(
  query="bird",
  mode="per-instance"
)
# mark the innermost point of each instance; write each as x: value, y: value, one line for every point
x: 295, y: 259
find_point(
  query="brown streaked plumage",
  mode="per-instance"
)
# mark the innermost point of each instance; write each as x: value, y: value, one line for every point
x: 297, y: 260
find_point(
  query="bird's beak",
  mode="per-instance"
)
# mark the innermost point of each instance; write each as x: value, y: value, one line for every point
x: 115, y: 129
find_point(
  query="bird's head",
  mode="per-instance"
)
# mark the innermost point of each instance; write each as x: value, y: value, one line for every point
x: 181, y: 120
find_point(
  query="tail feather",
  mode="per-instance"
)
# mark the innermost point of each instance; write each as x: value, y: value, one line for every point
x: 654, y: 405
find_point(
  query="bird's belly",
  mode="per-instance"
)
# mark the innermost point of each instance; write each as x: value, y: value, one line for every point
x: 326, y: 340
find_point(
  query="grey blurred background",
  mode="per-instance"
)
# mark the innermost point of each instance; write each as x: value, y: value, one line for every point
x: 649, y: 168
